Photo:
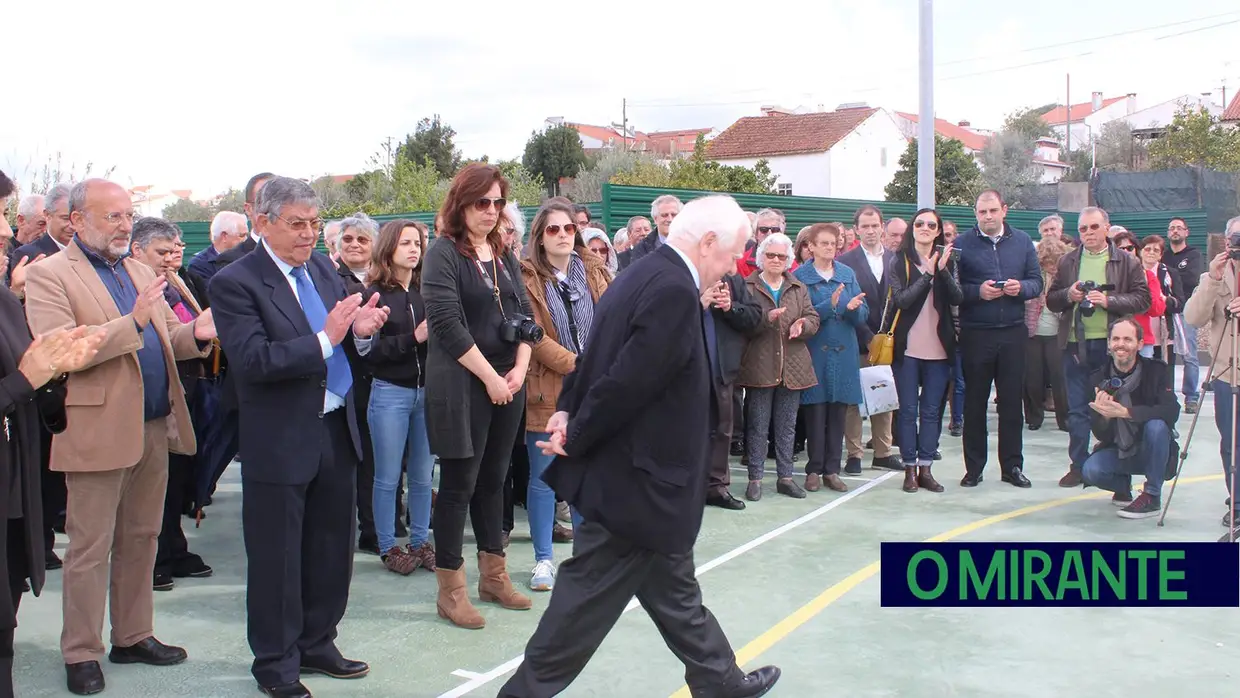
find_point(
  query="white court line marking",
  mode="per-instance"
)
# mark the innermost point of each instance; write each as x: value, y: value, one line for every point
x: 479, y: 680
x: 467, y: 674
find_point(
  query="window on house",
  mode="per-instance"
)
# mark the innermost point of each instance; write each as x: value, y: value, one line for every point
x: 784, y: 189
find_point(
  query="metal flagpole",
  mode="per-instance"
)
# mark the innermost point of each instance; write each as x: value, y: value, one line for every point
x: 925, y: 119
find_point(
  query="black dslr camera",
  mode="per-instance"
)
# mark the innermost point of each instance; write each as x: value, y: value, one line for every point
x: 520, y: 328
x: 1087, y: 306
x: 1233, y: 246
x: 1111, y: 385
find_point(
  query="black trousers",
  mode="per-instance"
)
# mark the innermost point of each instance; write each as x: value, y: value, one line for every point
x: 720, y: 476
x: 738, y: 415
x: 824, y: 437
x: 516, y: 484
x: 55, y: 495
x: 1044, y: 366
x: 15, y: 540
x: 591, y: 590
x: 994, y: 357
x: 173, y: 548
x: 299, y: 551
x: 476, y: 485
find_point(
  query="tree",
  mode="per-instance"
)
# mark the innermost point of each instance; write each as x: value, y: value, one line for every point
x: 1195, y: 138
x: 957, y: 179
x: 1007, y: 165
x: 701, y: 173
x: 1029, y: 123
x: 233, y: 200
x: 587, y: 185
x: 184, y: 210
x: 524, y: 187
x: 555, y: 153
x: 432, y: 140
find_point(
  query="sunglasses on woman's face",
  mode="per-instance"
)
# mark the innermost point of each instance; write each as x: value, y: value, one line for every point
x: 932, y: 225
x: 568, y: 228
x: 1128, y: 248
x: 485, y: 203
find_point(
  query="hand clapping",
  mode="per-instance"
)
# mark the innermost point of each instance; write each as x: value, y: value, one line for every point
x: 62, y: 351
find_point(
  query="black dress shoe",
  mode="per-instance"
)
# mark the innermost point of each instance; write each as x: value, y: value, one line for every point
x: 52, y: 561
x: 756, y: 683
x: 148, y: 651
x: 286, y: 690
x: 724, y: 500
x: 84, y: 678
x: 971, y: 480
x: 192, y: 566
x: 163, y: 582
x: 340, y: 668
x: 1017, y: 478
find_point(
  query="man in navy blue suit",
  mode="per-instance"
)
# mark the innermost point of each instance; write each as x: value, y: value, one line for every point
x: 632, y: 439
x: 289, y: 327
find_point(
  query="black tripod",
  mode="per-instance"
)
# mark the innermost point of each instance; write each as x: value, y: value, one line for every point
x: 1231, y: 330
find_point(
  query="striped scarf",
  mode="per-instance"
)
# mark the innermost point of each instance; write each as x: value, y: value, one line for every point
x: 582, y: 301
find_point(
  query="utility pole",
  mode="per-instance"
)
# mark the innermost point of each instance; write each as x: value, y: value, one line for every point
x: 1067, y: 148
x: 925, y: 119
x: 624, y: 121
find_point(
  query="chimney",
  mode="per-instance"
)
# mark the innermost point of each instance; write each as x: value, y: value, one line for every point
x: 1132, y: 102
x: 1096, y: 101
x: 964, y: 124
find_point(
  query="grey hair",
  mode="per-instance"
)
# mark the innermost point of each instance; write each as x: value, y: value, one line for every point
x: 1233, y: 222
x: 227, y: 222
x: 331, y: 234
x: 77, y: 197
x: 1053, y: 218
x: 1106, y: 217
x: 633, y: 221
x: 30, y: 205
x: 279, y: 192
x: 887, y: 225
x: 767, y: 212
x: 150, y: 229
x: 362, y: 223
x: 665, y: 199
x: 776, y: 239
x: 514, y: 215
x: 622, y: 236
x: 55, y: 195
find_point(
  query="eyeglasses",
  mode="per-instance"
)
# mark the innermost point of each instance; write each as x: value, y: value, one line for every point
x: 1128, y: 248
x: 776, y: 255
x: 770, y: 229
x: 300, y: 226
x: 1092, y: 227
x: 931, y: 225
x: 484, y: 203
x: 568, y: 228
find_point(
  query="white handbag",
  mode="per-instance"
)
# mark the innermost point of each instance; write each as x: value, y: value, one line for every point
x: 878, y: 391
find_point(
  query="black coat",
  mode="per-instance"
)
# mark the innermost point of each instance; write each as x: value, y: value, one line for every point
x: 910, y: 298
x: 396, y: 357
x: 1152, y: 399
x: 641, y: 410
x: 733, y: 328
x: 277, y: 365
x: 42, y: 245
x: 24, y: 408
x: 875, y: 291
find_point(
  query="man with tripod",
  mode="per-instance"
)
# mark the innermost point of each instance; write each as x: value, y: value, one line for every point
x: 1132, y: 414
x: 1215, y: 302
x: 1096, y: 285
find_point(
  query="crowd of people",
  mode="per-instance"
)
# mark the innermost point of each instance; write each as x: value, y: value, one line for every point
x: 343, y: 381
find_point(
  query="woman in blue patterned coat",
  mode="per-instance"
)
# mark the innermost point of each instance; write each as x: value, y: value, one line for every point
x: 836, y: 295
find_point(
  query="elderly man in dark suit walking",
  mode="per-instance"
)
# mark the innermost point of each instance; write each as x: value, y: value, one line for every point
x: 288, y: 325
x: 871, y: 261
x: 633, y: 440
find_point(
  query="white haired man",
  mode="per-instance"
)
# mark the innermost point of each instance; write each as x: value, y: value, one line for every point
x: 635, y: 465
x: 228, y: 229
x: 664, y: 210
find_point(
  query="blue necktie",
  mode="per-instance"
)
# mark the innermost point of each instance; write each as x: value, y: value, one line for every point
x: 339, y: 378
x: 712, y: 347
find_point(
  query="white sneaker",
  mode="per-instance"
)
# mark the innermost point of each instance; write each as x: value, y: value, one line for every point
x: 543, y: 577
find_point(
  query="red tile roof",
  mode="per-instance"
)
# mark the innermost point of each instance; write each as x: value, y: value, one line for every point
x: 1059, y: 115
x: 182, y: 193
x: 786, y: 134
x: 970, y: 139
x: 604, y: 133
x: 1232, y: 112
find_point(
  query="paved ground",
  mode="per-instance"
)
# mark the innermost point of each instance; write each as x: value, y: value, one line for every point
x: 791, y: 581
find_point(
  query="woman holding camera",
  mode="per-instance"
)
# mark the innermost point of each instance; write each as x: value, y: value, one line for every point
x: 563, y: 279
x: 478, y: 353
x: 923, y: 291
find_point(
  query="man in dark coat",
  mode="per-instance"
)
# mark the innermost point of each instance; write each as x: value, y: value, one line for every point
x: 633, y: 438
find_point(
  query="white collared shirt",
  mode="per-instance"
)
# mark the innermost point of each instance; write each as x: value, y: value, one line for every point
x: 331, y: 401
x: 697, y: 280
x: 875, y: 261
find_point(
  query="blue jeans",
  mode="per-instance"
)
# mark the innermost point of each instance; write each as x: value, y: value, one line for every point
x: 957, y: 395
x: 921, y: 385
x: 1104, y: 468
x: 1192, y: 380
x: 540, y: 498
x: 397, y: 419
x: 1077, y: 374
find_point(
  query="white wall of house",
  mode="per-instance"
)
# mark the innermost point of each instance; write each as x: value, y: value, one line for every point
x: 798, y: 175
x: 1161, y: 115
x: 1081, y: 128
x: 866, y: 160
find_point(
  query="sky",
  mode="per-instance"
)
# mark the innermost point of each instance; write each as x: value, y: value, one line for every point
x: 200, y: 96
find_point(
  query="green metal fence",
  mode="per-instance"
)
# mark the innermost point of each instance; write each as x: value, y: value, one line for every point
x: 623, y: 202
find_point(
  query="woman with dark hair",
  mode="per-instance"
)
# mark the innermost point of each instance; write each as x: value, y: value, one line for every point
x: 923, y: 290
x: 563, y: 280
x: 478, y: 353
x: 32, y: 392
x: 397, y: 409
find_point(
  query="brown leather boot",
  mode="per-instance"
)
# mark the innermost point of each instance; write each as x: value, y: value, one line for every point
x: 910, y: 478
x: 813, y: 482
x: 453, y: 602
x: 926, y: 480
x: 495, y: 586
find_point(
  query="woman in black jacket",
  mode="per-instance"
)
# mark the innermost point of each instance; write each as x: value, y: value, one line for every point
x: 481, y: 334
x: 923, y: 290
x: 32, y: 390
x: 397, y: 409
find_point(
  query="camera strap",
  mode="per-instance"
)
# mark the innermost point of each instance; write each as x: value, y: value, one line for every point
x: 492, y: 279
x: 567, y: 298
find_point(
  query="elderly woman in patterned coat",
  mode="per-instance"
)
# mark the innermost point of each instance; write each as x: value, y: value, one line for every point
x: 776, y: 366
x: 841, y: 306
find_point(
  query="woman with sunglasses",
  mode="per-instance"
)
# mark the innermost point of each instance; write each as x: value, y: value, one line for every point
x: 478, y: 352
x: 563, y: 280
x: 1127, y: 242
x: 923, y: 290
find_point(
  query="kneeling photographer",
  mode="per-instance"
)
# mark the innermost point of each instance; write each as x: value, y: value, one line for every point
x: 1097, y: 283
x: 1215, y: 303
x: 478, y: 352
x: 1132, y: 414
